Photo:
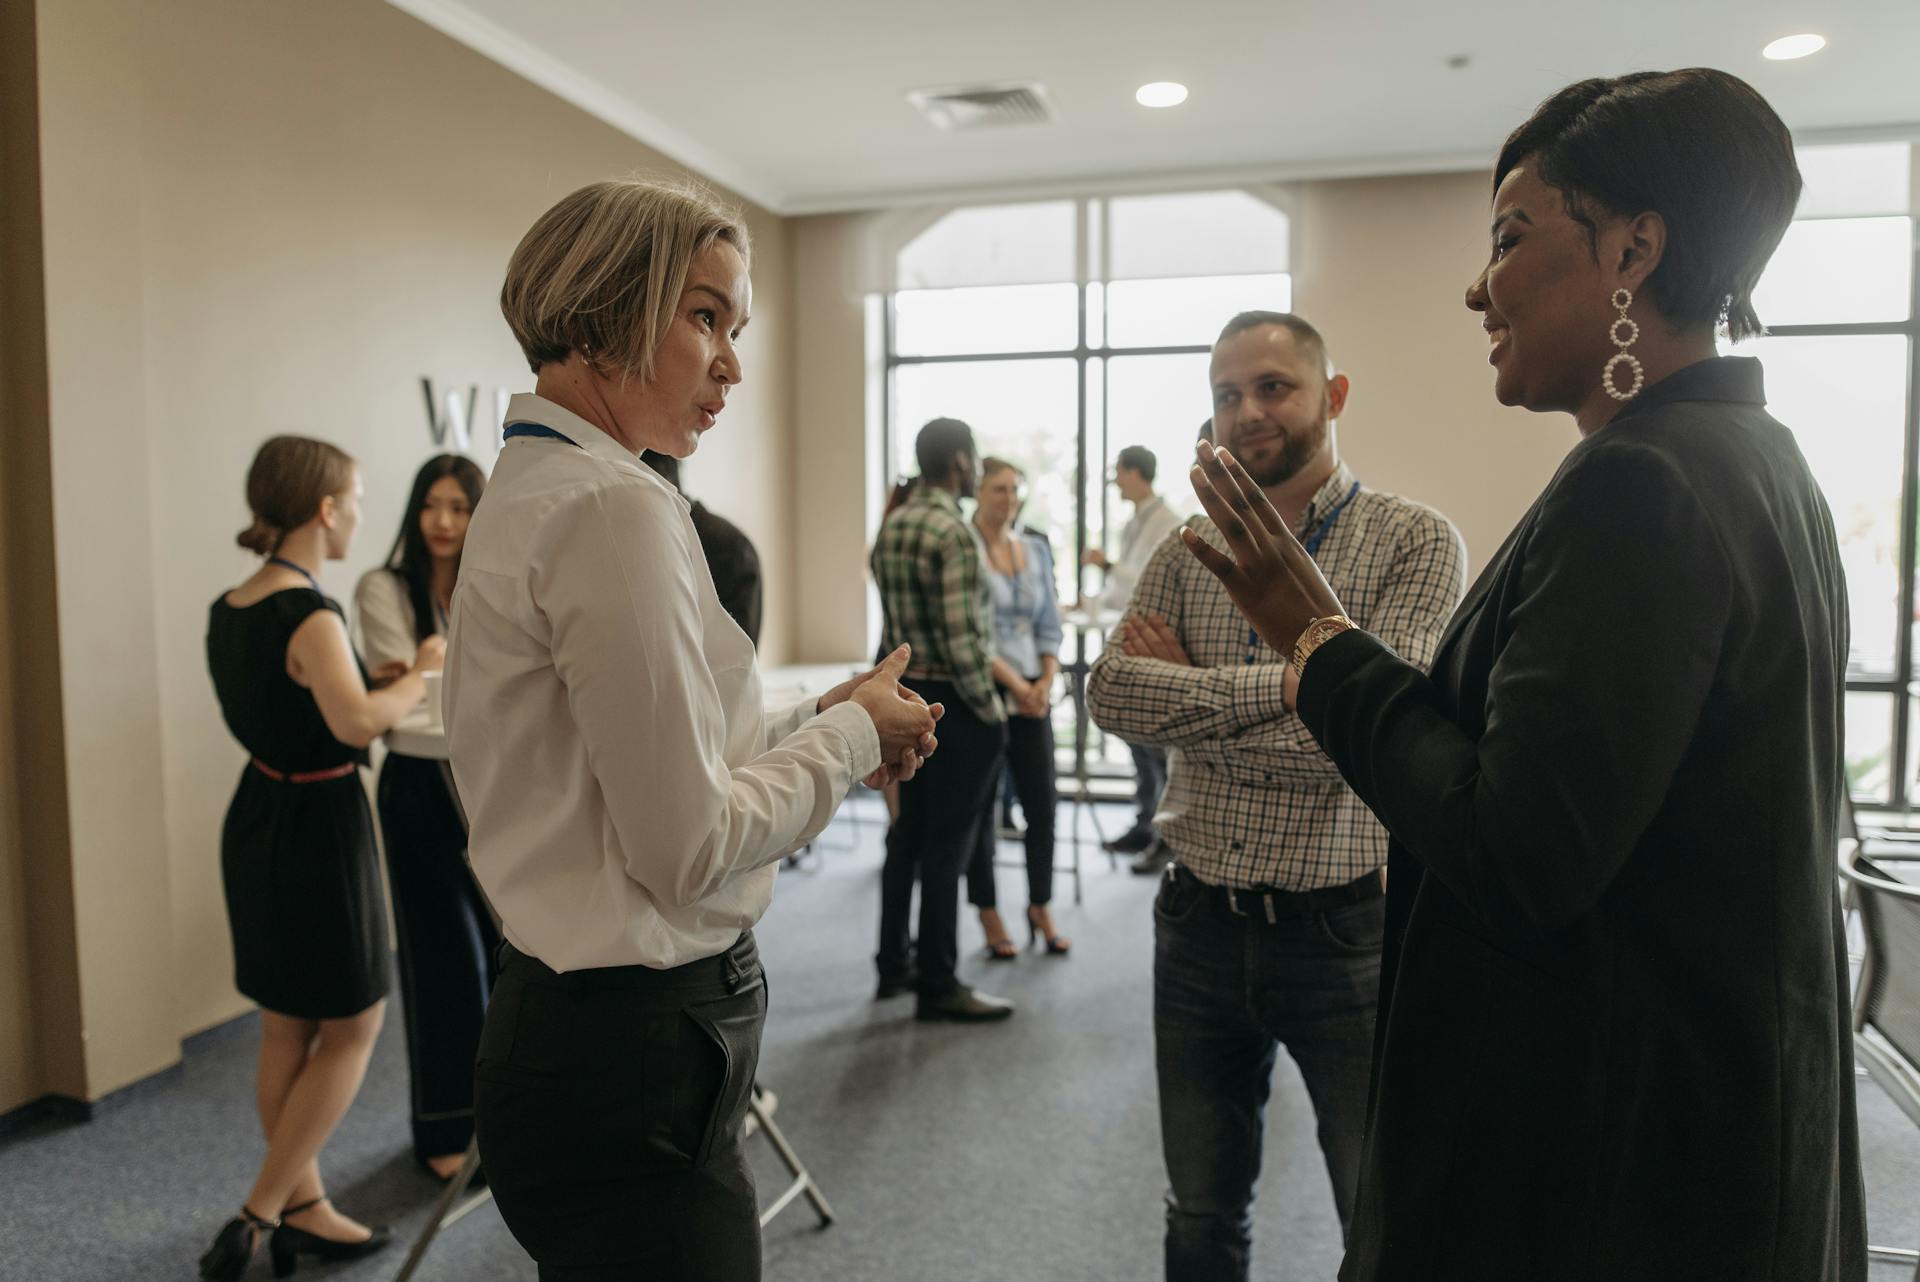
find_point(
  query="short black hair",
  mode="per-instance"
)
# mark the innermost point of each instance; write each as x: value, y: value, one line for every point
x: 941, y: 442
x: 1699, y: 147
x: 1140, y: 459
x: 1303, y: 333
x: 666, y: 464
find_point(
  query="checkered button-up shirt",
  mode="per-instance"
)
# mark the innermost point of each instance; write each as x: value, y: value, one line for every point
x: 927, y: 563
x: 1251, y: 800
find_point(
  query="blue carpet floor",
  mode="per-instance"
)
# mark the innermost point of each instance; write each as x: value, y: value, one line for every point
x: 1025, y: 1150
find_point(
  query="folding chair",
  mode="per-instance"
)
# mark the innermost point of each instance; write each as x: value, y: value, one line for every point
x: 1886, y: 1004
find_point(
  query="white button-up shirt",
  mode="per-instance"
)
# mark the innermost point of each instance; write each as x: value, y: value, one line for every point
x: 1145, y: 531
x: 628, y: 798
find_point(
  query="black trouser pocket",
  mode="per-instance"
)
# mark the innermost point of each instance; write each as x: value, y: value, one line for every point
x: 731, y: 1027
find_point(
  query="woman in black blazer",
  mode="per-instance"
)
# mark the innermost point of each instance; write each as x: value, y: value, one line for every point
x: 1613, y: 1040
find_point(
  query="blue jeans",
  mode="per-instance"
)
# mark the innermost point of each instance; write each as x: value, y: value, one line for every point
x: 1228, y: 992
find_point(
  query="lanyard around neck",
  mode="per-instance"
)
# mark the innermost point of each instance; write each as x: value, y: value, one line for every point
x: 300, y: 570
x: 1315, y: 537
x: 538, y: 429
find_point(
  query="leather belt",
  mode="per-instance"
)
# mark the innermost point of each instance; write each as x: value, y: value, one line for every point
x: 305, y: 776
x: 1264, y: 903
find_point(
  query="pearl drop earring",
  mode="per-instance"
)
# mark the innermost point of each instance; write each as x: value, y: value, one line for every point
x: 1623, y: 299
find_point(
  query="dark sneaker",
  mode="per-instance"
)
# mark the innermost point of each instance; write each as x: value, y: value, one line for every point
x: 963, y: 1005
x: 1153, y: 861
x: 1130, y: 842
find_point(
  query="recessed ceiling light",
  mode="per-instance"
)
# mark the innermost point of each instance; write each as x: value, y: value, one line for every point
x: 1161, y: 93
x: 1794, y: 47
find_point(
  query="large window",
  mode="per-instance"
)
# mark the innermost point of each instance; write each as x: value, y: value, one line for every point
x: 1064, y: 331
x: 1839, y: 301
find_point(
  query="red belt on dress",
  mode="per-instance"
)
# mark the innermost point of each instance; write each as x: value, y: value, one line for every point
x: 305, y: 776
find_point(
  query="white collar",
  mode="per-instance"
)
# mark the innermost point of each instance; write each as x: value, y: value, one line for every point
x: 526, y: 407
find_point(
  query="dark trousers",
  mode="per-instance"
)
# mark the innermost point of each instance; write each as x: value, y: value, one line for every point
x: 447, y: 940
x: 1149, y: 782
x: 1030, y: 761
x: 940, y: 809
x: 1228, y: 991
x: 609, y: 1104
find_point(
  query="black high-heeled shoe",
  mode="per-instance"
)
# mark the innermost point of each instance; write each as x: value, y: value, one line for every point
x: 231, y: 1251
x: 290, y: 1243
x: 1057, y: 945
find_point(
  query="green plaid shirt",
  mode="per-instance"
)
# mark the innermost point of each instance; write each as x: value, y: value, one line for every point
x: 927, y: 563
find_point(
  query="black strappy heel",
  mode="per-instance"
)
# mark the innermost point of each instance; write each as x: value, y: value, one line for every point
x: 290, y: 1243
x: 231, y: 1251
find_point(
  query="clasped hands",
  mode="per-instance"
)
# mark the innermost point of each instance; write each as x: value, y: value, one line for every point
x: 903, y: 720
x: 1269, y: 576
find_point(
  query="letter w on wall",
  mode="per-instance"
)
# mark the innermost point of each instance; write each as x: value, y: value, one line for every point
x: 456, y: 422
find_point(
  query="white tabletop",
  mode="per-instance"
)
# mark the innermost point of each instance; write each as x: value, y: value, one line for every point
x: 418, y: 736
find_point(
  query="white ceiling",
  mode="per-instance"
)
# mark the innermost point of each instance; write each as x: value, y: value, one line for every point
x: 800, y: 105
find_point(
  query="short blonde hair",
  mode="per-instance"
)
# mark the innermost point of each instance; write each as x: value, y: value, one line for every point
x: 602, y: 271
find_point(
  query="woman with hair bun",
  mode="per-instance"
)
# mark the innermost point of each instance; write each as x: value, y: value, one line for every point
x: 296, y: 853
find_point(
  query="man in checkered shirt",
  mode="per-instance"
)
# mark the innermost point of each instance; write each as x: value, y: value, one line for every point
x: 1268, y: 924
x: 927, y: 563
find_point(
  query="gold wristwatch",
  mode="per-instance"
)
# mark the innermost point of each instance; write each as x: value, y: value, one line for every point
x: 1316, y: 634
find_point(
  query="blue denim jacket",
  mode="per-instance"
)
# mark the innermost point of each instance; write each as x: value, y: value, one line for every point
x: 1026, y: 611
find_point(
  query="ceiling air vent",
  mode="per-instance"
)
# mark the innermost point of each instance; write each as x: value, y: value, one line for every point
x: 983, y: 106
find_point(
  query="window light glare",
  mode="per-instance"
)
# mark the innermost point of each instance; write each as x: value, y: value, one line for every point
x: 1800, y: 46
x: 1161, y: 93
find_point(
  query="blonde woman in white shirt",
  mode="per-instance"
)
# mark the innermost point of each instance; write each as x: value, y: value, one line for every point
x: 627, y: 797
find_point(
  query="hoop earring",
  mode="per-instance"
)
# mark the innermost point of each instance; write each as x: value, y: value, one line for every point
x: 1623, y: 299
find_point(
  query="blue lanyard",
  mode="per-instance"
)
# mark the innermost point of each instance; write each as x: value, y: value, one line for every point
x: 299, y: 570
x: 1316, y: 537
x: 537, y: 429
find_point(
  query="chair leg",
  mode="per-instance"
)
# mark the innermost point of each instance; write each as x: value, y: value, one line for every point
x: 803, y: 1179
x: 445, y: 1211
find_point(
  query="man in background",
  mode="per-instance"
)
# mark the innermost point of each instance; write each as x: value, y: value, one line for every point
x: 1152, y: 521
x: 730, y: 556
x: 929, y: 567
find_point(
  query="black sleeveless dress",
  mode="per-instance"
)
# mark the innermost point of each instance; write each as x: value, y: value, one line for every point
x: 304, y: 900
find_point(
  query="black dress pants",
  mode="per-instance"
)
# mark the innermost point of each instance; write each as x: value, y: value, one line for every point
x: 941, y: 810
x: 447, y: 940
x: 1030, y: 760
x: 609, y: 1104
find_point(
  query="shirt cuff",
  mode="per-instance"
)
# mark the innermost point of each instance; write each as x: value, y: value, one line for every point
x: 1259, y: 694
x: 856, y: 730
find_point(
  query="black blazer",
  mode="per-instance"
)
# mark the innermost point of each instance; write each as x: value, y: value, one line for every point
x: 1613, y: 1039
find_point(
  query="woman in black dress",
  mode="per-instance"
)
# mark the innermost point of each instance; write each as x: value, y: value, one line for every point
x: 447, y: 936
x: 302, y: 884
x: 1613, y: 1036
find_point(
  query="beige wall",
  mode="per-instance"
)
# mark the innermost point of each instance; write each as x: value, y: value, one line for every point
x: 261, y: 219
x: 1380, y: 265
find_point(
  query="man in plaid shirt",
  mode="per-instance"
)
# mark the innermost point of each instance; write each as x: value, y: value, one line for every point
x: 928, y: 564
x: 1268, y: 924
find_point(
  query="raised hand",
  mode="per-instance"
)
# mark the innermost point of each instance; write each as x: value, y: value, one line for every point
x: 1272, y: 580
